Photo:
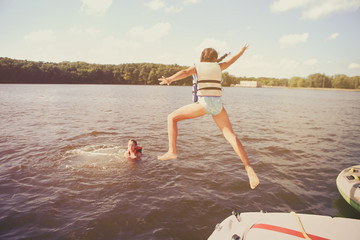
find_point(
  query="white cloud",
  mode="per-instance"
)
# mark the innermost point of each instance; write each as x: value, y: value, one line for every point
x: 285, y: 5
x: 95, y: 7
x: 40, y: 36
x: 312, y: 61
x: 257, y: 57
x: 173, y: 9
x: 155, y: 5
x: 256, y: 61
x: 288, y: 64
x: 159, y: 4
x: 151, y: 34
x: 113, y: 50
x: 258, y: 65
x: 188, y: 2
x: 109, y: 50
x: 218, y: 45
x: 293, y: 39
x: 315, y: 9
x: 324, y: 8
x: 81, y: 30
x: 354, y: 66
x: 333, y: 36
x: 110, y: 43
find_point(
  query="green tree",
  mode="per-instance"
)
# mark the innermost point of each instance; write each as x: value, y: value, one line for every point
x: 342, y: 81
x: 318, y: 80
x: 228, y: 79
x: 294, y: 81
x: 355, y: 82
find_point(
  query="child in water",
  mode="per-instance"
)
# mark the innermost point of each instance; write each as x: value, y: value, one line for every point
x: 133, y: 151
x: 209, y: 72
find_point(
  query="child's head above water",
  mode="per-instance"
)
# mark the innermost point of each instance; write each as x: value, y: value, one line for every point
x: 132, y: 143
x: 133, y: 151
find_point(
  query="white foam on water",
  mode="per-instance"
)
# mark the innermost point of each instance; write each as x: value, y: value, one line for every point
x: 100, y: 157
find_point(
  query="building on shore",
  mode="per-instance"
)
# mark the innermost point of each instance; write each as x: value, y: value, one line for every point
x: 249, y: 84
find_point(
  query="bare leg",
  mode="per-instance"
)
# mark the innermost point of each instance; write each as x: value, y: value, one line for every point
x: 223, y: 122
x: 186, y: 112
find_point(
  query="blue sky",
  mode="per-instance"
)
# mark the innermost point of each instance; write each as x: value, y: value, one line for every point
x: 287, y: 37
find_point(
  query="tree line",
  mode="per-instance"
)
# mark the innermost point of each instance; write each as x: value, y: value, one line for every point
x: 23, y: 71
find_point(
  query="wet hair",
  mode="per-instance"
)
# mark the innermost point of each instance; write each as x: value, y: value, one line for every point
x: 134, y: 141
x: 210, y: 55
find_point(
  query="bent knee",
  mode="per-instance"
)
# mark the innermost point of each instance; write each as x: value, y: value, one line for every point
x: 172, y: 117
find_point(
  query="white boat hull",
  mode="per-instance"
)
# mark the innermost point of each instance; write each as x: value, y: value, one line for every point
x: 348, y: 184
x: 286, y: 226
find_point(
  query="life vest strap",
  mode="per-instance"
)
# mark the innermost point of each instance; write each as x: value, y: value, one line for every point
x: 209, y: 88
x: 209, y: 81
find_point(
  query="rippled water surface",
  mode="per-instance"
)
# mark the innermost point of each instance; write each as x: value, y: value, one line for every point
x: 63, y: 176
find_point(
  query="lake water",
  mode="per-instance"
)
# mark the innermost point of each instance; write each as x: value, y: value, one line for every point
x: 63, y: 176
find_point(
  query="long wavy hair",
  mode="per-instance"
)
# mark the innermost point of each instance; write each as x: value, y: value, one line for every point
x: 211, y: 55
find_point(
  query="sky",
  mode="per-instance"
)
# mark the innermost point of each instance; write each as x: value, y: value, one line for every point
x: 287, y: 38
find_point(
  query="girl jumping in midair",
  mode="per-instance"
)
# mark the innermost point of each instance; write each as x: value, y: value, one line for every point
x: 208, y: 73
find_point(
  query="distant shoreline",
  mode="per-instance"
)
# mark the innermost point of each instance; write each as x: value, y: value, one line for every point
x: 329, y: 89
x: 28, y: 72
x: 312, y: 88
x: 275, y: 87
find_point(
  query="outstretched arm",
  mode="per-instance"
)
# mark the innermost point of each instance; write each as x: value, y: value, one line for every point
x: 177, y: 76
x: 226, y: 64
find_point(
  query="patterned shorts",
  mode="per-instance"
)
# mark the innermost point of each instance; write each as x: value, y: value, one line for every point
x: 212, y: 105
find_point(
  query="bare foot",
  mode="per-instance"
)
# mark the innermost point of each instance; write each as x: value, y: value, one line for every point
x: 253, y: 178
x: 168, y: 156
